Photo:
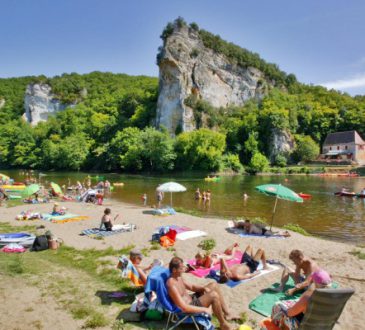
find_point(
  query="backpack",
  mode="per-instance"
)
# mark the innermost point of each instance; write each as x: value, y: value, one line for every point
x: 40, y: 243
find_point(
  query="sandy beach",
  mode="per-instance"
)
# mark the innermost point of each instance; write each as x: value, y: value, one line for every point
x: 334, y: 257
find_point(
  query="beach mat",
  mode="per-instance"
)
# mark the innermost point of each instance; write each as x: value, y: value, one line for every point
x: 68, y: 217
x: 97, y: 232
x: 264, y: 303
x: 261, y: 236
x: 215, y: 275
x: 203, y: 272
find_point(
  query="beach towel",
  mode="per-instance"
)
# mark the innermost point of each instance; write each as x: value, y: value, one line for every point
x: 13, y: 248
x: 183, y: 233
x: 264, y: 303
x: 129, y: 271
x: 261, y: 236
x: 215, y: 275
x: 117, y: 229
x: 190, y: 234
x: 165, y: 211
x: 68, y: 217
x: 202, y: 272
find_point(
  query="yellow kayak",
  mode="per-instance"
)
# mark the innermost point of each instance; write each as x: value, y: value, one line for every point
x: 118, y: 184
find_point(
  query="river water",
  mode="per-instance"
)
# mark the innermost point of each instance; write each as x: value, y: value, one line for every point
x: 326, y: 215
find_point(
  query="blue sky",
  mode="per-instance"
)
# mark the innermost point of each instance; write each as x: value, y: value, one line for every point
x: 320, y: 41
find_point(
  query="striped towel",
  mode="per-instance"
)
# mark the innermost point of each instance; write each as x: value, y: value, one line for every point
x: 97, y: 232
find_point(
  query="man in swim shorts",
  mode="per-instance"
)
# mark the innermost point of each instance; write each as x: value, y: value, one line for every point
x: 246, y: 269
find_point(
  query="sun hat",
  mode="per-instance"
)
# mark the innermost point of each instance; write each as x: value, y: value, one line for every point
x: 321, y: 277
x: 56, y: 204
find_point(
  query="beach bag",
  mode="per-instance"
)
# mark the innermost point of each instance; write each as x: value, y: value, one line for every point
x: 40, y: 243
x: 138, y: 306
x: 166, y: 241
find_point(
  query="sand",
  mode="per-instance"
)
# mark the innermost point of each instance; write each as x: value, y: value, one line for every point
x: 330, y: 255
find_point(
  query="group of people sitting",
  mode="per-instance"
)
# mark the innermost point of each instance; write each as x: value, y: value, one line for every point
x: 286, y: 314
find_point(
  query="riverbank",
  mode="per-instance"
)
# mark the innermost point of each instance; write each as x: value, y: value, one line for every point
x: 335, y: 257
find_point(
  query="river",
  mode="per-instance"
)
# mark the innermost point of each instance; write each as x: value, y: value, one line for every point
x: 325, y: 215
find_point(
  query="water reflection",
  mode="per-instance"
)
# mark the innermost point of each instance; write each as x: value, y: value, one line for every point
x: 325, y: 214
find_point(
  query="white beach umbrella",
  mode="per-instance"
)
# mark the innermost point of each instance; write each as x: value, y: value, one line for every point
x: 171, y: 187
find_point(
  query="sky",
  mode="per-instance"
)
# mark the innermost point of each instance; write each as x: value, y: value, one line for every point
x: 322, y: 42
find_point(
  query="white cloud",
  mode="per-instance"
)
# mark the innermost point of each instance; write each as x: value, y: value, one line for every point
x: 343, y: 84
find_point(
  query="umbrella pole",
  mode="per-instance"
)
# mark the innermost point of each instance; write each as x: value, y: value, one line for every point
x: 273, y: 212
x: 171, y: 198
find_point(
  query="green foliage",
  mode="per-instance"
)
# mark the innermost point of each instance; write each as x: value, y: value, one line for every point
x: 207, y: 244
x: 297, y: 229
x: 280, y: 160
x: 306, y: 149
x: 231, y: 162
x: 258, y: 163
x: 199, y: 150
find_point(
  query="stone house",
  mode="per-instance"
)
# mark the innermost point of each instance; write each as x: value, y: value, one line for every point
x: 344, y: 146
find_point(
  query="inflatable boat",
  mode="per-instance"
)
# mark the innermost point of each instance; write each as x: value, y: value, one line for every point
x: 24, y: 239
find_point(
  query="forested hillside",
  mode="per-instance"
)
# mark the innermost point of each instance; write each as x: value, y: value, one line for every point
x: 112, y: 125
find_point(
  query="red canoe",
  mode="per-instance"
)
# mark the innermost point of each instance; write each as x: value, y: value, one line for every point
x: 305, y: 196
x: 346, y: 194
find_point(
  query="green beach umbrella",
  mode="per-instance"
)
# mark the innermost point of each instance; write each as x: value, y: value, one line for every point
x: 56, y: 188
x: 281, y: 192
x: 30, y: 190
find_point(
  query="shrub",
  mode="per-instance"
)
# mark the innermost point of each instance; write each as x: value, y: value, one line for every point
x: 207, y: 244
x: 297, y: 229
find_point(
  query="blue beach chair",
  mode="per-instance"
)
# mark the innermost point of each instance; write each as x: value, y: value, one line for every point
x: 156, y: 282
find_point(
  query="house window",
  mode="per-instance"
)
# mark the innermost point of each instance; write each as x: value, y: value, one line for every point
x: 330, y: 148
x: 346, y: 147
x: 338, y: 147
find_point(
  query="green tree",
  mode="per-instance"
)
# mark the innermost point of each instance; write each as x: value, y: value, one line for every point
x: 258, y: 163
x: 306, y: 149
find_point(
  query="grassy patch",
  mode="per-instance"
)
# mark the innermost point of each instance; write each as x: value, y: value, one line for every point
x: 81, y: 312
x: 195, y: 213
x: 6, y: 227
x: 96, y: 320
x: 297, y: 229
x: 358, y: 254
x: 155, y: 246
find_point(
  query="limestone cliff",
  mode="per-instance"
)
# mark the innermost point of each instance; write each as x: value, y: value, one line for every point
x: 187, y: 68
x: 40, y: 102
x: 281, y: 143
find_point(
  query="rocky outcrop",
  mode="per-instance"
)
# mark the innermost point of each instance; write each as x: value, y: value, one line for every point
x: 187, y: 68
x: 281, y: 143
x: 40, y: 102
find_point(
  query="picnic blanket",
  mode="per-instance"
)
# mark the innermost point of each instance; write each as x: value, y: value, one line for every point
x: 202, y: 272
x: 264, y: 303
x: 117, y: 229
x: 215, y: 275
x: 68, y: 217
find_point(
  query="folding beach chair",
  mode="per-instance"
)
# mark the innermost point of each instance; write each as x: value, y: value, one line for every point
x: 324, y: 309
x: 156, y: 282
x: 129, y: 271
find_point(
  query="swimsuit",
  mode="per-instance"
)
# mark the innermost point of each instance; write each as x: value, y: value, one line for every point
x: 250, y: 262
x: 195, y: 300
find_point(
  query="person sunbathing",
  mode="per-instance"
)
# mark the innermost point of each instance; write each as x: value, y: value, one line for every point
x: 57, y: 210
x: 287, y: 314
x: 301, y: 276
x: 201, y: 300
x: 247, y: 267
x: 255, y: 229
x: 208, y: 261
